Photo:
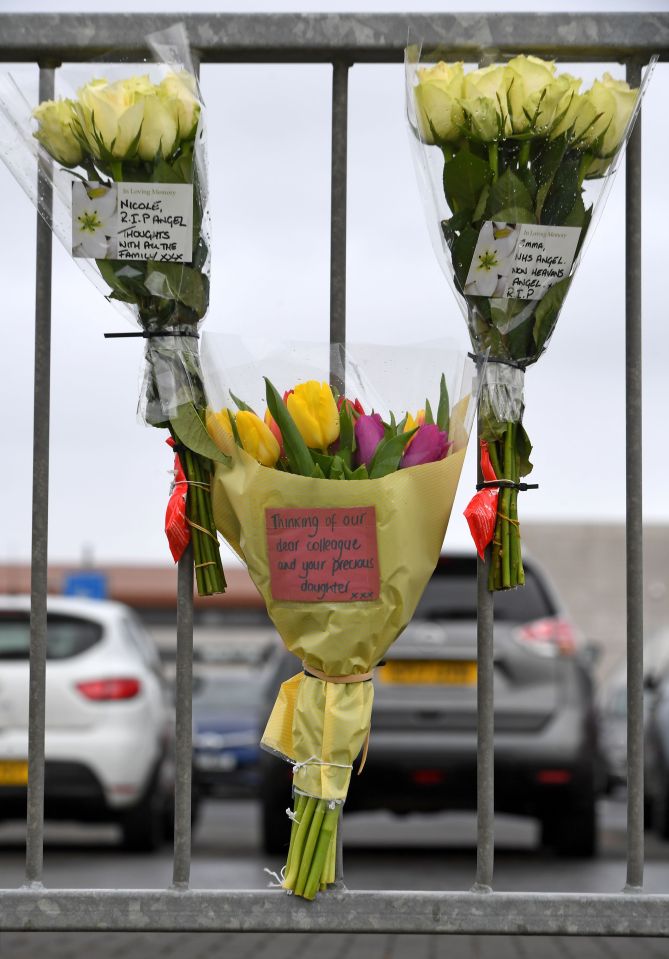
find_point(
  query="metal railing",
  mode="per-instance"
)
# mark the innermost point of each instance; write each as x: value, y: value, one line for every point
x: 341, y: 40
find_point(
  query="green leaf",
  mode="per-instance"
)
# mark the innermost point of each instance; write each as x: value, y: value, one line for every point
x: 318, y: 473
x: 297, y: 451
x: 545, y: 164
x: 523, y: 450
x: 175, y: 281
x: 429, y: 416
x: 358, y: 474
x: 388, y: 454
x: 346, y: 435
x: 508, y: 191
x: 191, y: 431
x: 547, y: 312
x: 443, y: 410
x: 240, y: 404
x: 337, y: 469
x: 514, y: 214
x: 479, y: 209
x: 465, y: 176
x: 565, y: 190
x: 323, y: 461
x: 462, y: 252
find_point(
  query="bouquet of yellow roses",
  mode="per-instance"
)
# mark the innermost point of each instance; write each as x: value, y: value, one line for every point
x: 513, y: 160
x: 130, y: 202
x: 339, y: 508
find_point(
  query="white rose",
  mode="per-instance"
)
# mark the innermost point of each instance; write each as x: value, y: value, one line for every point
x: 55, y: 133
x: 437, y: 93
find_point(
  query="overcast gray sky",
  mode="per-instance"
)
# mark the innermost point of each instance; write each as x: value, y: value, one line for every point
x: 269, y: 152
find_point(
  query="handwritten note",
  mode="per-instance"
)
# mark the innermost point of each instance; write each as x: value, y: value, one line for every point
x: 133, y: 221
x: 323, y: 555
x: 520, y: 260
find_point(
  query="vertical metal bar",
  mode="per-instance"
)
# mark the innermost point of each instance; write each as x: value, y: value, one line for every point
x: 183, y: 784
x: 485, y: 725
x: 184, y: 722
x: 40, y: 516
x: 338, y: 175
x: 634, y: 514
x: 338, y: 224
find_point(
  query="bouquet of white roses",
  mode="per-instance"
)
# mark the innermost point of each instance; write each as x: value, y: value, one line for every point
x: 514, y: 159
x: 131, y: 195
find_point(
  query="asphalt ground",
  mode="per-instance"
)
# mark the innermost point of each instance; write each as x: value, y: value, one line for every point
x: 382, y: 852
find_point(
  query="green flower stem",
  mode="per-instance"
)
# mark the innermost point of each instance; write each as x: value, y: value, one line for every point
x: 508, y: 474
x: 493, y: 159
x: 524, y: 154
x: 310, y: 847
x: 300, y: 839
x: 209, y: 577
x: 298, y: 807
x: 319, y: 862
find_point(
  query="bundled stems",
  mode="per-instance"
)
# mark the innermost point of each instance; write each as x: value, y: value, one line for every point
x: 206, y: 554
x: 310, y: 865
x: 506, y: 565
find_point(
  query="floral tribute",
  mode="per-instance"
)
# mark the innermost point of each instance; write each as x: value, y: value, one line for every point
x: 339, y: 514
x: 513, y: 157
x: 124, y: 151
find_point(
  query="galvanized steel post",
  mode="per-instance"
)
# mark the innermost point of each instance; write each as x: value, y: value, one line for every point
x: 40, y: 513
x: 338, y: 224
x: 634, y: 499
x: 184, y: 722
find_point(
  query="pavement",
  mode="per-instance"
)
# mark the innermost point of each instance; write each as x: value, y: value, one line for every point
x: 418, y: 852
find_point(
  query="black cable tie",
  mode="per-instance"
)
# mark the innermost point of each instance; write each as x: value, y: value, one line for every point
x: 150, y: 335
x: 481, y: 357
x: 506, y: 484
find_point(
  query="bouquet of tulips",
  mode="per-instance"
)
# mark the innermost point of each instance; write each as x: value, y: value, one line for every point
x: 130, y: 194
x: 513, y: 158
x: 339, y: 514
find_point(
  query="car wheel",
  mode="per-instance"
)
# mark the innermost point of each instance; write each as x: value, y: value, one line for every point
x: 143, y: 826
x: 572, y: 832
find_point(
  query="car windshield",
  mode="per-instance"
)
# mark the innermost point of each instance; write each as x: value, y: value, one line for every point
x: 66, y: 636
x: 451, y: 594
x: 237, y: 688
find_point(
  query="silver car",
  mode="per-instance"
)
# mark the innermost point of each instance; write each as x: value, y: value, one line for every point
x: 422, y: 754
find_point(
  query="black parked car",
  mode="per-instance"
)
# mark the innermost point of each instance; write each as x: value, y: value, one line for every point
x: 422, y: 754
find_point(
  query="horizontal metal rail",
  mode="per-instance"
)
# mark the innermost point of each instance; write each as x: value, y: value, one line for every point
x: 364, y: 38
x: 343, y: 40
x: 452, y: 913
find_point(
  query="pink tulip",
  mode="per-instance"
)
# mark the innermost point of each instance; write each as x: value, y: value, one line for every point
x: 368, y: 434
x: 428, y: 445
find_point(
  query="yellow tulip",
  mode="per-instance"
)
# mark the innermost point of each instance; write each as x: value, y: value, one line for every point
x: 315, y: 413
x: 257, y: 438
x: 219, y: 428
x: 413, y: 423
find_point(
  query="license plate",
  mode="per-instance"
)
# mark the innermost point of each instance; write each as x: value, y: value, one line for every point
x: 436, y: 672
x: 13, y: 772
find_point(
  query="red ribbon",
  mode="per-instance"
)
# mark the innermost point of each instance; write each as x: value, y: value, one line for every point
x: 481, y: 513
x: 176, y: 527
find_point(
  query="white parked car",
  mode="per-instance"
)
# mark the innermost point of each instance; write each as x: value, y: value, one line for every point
x: 109, y: 721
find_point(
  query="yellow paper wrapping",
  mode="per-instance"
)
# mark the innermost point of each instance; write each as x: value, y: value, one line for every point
x: 324, y: 725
